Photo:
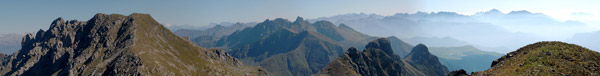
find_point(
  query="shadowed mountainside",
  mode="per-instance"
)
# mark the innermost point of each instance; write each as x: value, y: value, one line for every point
x: 117, y: 45
x: 291, y: 48
x: 379, y: 59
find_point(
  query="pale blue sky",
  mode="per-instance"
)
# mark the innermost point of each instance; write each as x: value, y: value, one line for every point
x: 28, y: 16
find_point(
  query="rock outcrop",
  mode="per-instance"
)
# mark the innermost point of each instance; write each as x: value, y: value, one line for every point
x: 422, y: 60
x: 376, y: 60
x: 460, y: 72
x: 117, y: 45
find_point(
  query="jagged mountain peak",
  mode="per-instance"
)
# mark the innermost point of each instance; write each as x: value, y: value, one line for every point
x: 421, y: 50
x: 299, y: 19
x: 495, y: 11
x: 374, y: 61
x: 117, y: 45
x: 422, y: 60
x: 381, y: 43
x: 352, y: 51
x: 282, y: 20
x: 344, y: 26
x: 520, y: 12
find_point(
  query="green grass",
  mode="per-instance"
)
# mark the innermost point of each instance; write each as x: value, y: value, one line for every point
x: 549, y: 58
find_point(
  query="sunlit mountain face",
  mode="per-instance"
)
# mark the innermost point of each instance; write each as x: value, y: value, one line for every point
x: 300, y: 38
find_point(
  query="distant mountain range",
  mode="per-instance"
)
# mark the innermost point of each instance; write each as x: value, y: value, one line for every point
x: 490, y: 30
x: 208, y: 37
x: 437, y: 41
x: 175, y: 28
x: 138, y: 45
x: 10, y: 43
x: 588, y: 40
x: 301, y: 48
x: 116, y: 45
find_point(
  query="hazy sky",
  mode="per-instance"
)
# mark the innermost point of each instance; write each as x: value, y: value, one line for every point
x: 28, y: 16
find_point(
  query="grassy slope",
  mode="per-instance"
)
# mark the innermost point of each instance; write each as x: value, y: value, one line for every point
x: 313, y: 53
x: 161, y: 49
x: 548, y: 59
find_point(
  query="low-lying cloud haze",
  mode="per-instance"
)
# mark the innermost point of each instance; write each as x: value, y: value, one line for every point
x: 491, y: 30
x: 490, y: 25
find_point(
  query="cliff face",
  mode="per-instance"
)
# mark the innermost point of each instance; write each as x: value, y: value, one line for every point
x: 117, y: 45
x: 421, y: 59
x: 377, y: 59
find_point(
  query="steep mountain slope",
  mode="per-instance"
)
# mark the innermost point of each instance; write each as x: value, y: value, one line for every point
x: 377, y: 59
x: 422, y: 60
x: 550, y: 58
x: 309, y: 55
x: 400, y: 47
x: 468, y: 58
x: 291, y: 48
x: 117, y: 45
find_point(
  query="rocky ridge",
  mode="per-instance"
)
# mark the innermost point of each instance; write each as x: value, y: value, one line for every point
x: 117, y: 45
x: 378, y: 59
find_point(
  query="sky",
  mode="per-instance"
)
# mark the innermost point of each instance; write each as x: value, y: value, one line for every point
x: 18, y: 16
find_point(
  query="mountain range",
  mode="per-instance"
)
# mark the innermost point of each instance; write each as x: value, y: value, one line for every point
x: 137, y: 44
x: 117, y: 45
x: 489, y: 30
x: 9, y: 43
x: 207, y: 37
x: 291, y: 48
x: 301, y: 48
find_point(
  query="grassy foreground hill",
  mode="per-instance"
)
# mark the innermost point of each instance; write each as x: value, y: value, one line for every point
x: 547, y: 58
x: 117, y: 45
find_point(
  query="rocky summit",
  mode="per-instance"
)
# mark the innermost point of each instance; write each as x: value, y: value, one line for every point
x: 378, y: 59
x: 547, y: 58
x: 421, y: 59
x: 117, y: 45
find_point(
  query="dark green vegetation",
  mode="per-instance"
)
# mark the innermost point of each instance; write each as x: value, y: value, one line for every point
x: 117, y: 45
x: 548, y: 58
x: 468, y: 58
x: 291, y: 48
x: 294, y: 48
x: 378, y: 59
